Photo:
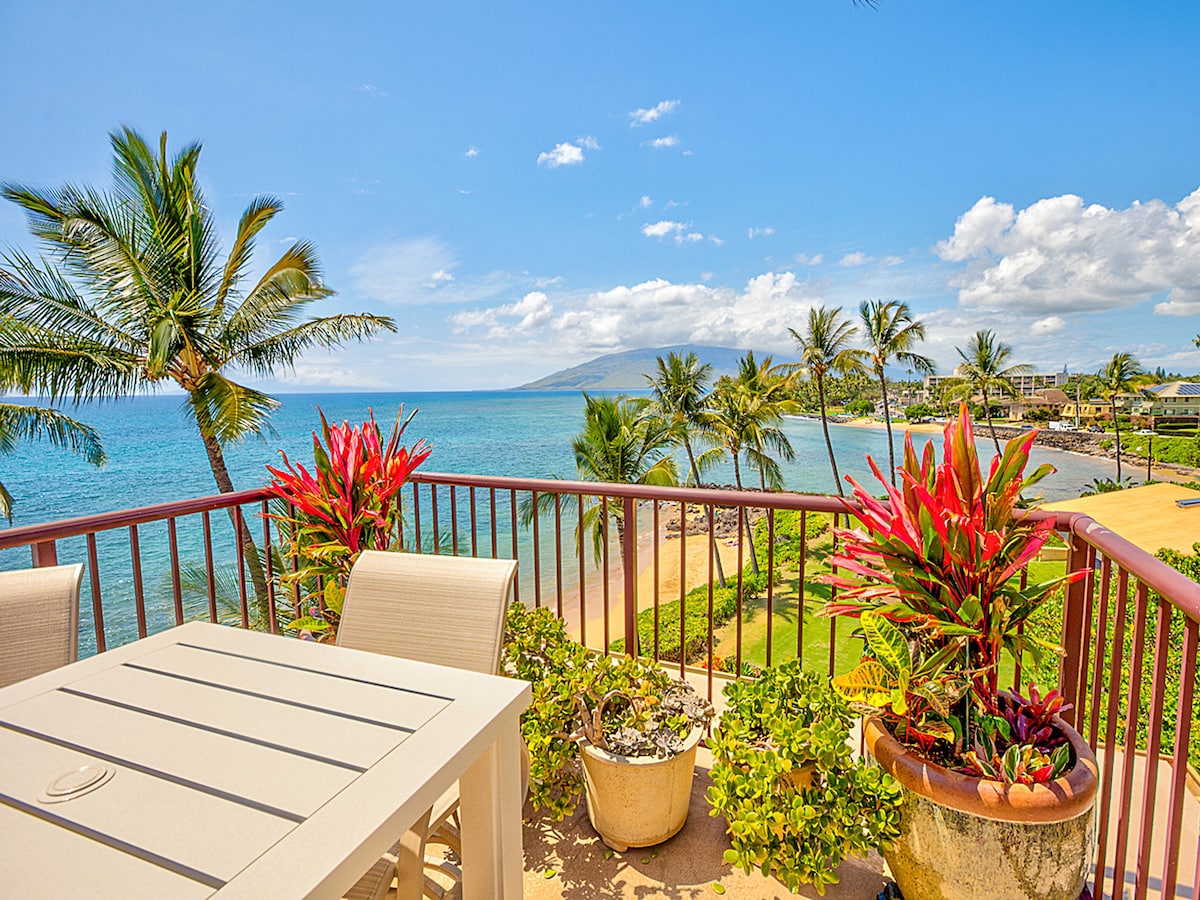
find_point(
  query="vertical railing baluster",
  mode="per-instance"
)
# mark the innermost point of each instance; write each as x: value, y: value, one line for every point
x: 1154, y: 724
x: 475, y: 523
x: 657, y: 576
x: 770, y: 587
x: 579, y: 552
x: 97, y: 604
x: 606, y: 568
x: 711, y: 546
x: 1101, y: 649
x: 800, y: 589
x: 417, y: 547
x: 683, y: 584
x: 537, y: 551
x: 558, y: 564
x: 512, y: 513
x: 1074, y: 639
x: 492, y: 513
x: 1133, y: 708
x: 833, y: 596
x: 435, y: 519
x: 176, y: 587
x: 629, y: 559
x: 208, y: 566
x: 1116, y: 662
x: 454, y: 518
x: 44, y: 553
x: 139, y: 596
x: 239, y: 525
x: 1179, y: 758
x: 272, y: 610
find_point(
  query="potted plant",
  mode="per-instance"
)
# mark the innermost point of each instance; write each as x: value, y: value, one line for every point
x: 350, y: 502
x: 998, y: 789
x: 796, y: 800
x: 619, y: 729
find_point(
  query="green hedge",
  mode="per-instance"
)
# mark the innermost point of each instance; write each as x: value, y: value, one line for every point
x: 789, y: 544
x: 1183, y: 451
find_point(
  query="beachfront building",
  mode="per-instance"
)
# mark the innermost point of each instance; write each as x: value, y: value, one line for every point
x: 1175, y: 402
x: 1052, y: 400
x: 1027, y: 384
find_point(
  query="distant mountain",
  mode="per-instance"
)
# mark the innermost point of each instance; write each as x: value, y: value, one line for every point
x: 627, y: 371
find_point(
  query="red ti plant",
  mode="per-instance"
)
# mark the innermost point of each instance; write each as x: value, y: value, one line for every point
x: 350, y: 502
x: 941, y: 559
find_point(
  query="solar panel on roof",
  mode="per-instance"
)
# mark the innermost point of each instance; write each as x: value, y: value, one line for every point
x: 1189, y: 390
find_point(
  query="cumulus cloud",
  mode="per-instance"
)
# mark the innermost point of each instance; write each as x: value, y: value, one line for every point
x: 678, y: 229
x: 1059, y: 255
x: 857, y: 258
x: 655, y: 312
x: 471, y: 152
x: 669, y: 141
x: 589, y: 142
x: 645, y: 202
x: 1048, y: 325
x: 564, y: 154
x: 752, y: 233
x: 653, y: 114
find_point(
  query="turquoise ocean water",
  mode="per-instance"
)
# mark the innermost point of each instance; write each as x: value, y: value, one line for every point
x: 155, y: 456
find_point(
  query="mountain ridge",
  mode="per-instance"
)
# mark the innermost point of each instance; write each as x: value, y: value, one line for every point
x: 627, y: 370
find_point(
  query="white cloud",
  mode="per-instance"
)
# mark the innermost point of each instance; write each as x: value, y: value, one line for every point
x: 588, y: 142
x: 716, y: 240
x: 663, y: 228
x: 752, y: 233
x: 441, y: 276
x: 669, y: 141
x: 892, y: 260
x: 645, y: 202
x: 857, y: 258
x: 1062, y: 256
x: 1047, y: 326
x: 651, y: 313
x: 471, y: 152
x: 372, y: 90
x: 693, y: 236
x: 804, y: 259
x: 563, y: 154
x: 653, y: 114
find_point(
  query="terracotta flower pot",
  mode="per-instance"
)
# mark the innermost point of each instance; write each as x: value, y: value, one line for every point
x: 638, y: 801
x: 963, y: 837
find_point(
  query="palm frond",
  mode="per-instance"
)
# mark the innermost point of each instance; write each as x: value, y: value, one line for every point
x: 228, y: 411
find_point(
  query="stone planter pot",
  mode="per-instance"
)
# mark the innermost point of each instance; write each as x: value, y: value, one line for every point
x: 963, y: 837
x: 638, y: 801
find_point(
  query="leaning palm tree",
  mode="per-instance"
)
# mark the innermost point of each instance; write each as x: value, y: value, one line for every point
x: 132, y: 292
x: 19, y: 422
x: 1114, y: 379
x: 892, y: 333
x: 983, y: 371
x: 677, y: 395
x: 824, y: 348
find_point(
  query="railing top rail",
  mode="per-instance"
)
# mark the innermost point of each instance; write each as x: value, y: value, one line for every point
x: 64, y: 528
x: 1180, y: 590
x: 715, y: 496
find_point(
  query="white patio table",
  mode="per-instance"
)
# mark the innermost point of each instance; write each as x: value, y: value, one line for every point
x: 213, y: 761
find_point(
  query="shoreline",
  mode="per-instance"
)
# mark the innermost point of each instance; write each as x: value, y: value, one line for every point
x: 1089, y: 448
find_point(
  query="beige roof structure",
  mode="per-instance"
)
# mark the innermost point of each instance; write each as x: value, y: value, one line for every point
x: 1147, y: 516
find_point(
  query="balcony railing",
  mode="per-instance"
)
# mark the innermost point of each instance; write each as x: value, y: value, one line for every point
x: 1129, y: 631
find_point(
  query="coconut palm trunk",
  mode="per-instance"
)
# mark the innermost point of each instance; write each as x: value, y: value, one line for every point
x: 887, y: 420
x: 987, y: 411
x: 837, y: 480
x: 1117, y: 435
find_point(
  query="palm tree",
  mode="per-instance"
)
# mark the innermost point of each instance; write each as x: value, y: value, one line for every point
x: 983, y: 371
x: 1117, y: 378
x: 677, y: 396
x: 20, y: 422
x: 744, y: 414
x: 825, y: 347
x: 133, y: 293
x: 892, y: 333
x: 620, y: 444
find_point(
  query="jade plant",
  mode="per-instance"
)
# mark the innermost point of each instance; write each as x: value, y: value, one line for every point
x: 932, y: 573
x: 796, y: 800
x: 626, y: 706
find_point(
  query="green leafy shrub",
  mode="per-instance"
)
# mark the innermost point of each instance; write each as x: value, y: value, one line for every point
x: 777, y: 821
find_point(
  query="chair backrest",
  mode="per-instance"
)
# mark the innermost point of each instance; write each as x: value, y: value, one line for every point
x: 39, y: 611
x: 447, y: 610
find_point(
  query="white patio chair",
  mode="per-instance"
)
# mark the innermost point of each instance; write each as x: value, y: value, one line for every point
x: 40, y: 611
x: 447, y: 610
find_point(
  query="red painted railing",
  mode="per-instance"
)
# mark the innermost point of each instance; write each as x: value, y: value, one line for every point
x: 1130, y: 631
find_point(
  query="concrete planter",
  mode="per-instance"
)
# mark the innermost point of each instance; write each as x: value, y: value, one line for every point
x: 638, y: 801
x: 963, y: 837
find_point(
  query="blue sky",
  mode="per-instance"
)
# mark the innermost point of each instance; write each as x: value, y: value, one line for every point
x: 524, y: 186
